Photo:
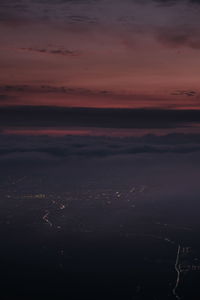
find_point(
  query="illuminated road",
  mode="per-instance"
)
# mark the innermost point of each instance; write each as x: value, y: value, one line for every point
x: 45, y: 218
x: 178, y: 273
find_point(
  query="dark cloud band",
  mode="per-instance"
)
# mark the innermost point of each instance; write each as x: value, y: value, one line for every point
x: 44, y: 116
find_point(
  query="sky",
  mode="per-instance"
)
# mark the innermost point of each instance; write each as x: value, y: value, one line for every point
x: 109, y: 64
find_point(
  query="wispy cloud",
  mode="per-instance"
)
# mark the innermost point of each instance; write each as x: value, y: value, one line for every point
x: 6, y: 98
x: 179, y: 36
x: 61, y: 52
x: 189, y: 93
x: 53, y: 89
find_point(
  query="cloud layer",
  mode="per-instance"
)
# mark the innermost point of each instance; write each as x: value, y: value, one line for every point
x: 45, y: 148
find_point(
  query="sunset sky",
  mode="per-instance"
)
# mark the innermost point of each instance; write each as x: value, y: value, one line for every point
x: 99, y: 54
